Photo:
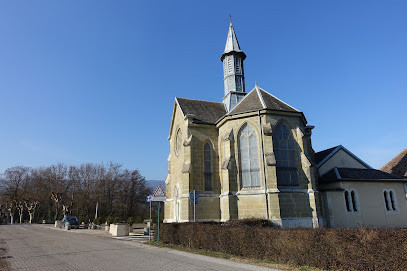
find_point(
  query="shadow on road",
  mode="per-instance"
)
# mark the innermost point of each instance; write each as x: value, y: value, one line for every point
x: 3, y: 264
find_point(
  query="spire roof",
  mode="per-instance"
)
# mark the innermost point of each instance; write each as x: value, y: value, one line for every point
x: 231, y: 43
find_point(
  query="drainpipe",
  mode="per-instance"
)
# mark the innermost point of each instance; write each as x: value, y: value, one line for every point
x: 264, y: 166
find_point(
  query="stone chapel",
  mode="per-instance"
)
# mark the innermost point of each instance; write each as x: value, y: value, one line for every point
x: 248, y: 156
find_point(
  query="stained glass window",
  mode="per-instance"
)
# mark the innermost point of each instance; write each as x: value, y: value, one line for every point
x: 284, y: 151
x: 208, y: 166
x: 249, y: 157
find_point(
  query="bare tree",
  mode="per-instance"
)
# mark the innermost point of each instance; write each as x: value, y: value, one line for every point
x: 31, y: 206
x: 46, y: 192
x: 11, y: 208
x: 56, y: 197
x: 20, y: 208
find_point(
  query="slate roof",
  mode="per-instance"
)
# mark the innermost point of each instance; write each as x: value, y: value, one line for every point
x: 398, y: 165
x: 258, y: 99
x: 203, y: 112
x: 358, y: 174
x: 319, y: 156
x: 323, y: 156
x: 232, y: 45
x: 206, y: 112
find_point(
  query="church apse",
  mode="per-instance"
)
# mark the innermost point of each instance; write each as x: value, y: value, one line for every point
x: 247, y: 158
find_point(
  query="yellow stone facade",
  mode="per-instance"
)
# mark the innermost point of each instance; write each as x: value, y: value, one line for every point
x: 288, y: 207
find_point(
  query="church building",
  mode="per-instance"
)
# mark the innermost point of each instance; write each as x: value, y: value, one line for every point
x: 249, y: 156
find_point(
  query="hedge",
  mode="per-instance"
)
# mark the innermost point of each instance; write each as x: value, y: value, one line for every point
x: 338, y: 249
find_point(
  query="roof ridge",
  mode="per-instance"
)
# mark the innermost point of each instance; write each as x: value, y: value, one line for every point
x: 279, y: 100
x: 337, y: 173
x: 260, y: 96
x: 244, y: 97
x: 198, y: 100
x: 329, y: 155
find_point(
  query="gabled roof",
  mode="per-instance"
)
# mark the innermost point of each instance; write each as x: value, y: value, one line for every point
x: 203, y: 112
x: 319, y: 156
x: 323, y: 156
x: 358, y: 174
x: 397, y: 165
x: 258, y: 99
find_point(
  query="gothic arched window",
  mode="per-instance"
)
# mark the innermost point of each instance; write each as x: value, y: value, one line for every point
x: 284, y: 151
x: 249, y: 157
x: 208, y: 166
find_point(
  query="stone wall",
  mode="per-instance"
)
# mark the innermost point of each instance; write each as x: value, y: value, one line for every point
x: 228, y: 200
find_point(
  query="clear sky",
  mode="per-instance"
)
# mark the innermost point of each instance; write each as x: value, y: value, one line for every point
x: 95, y: 81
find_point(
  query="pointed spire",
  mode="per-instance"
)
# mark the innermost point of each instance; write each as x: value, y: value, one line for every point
x: 233, y: 73
x: 231, y: 43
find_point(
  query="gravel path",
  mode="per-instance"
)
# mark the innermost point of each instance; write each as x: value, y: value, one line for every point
x: 42, y: 247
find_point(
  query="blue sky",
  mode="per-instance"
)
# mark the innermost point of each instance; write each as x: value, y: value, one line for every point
x: 95, y: 81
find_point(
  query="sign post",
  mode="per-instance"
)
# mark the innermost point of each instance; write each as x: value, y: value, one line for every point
x: 158, y: 224
x: 159, y: 195
x: 194, y: 197
x: 149, y: 199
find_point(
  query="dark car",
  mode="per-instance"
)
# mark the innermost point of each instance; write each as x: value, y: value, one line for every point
x: 71, y: 220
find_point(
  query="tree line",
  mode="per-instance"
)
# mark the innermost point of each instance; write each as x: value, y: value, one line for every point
x: 87, y: 191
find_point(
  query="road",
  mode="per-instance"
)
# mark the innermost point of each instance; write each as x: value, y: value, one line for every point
x: 42, y: 247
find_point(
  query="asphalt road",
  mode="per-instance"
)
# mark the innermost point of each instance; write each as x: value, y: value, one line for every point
x: 42, y: 247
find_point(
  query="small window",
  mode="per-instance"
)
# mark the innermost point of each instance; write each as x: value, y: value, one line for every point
x: 237, y: 65
x: 354, y: 201
x: 351, y: 201
x: 178, y: 141
x: 390, y: 200
x: 238, y: 84
x: 230, y: 65
x: 347, y: 201
x: 386, y: 200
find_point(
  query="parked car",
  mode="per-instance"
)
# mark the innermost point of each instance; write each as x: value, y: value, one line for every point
x: 71, y: 220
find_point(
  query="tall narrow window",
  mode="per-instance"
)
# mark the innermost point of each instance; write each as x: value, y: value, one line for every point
x: 354, y: 201
x: 284, y: 151
x: 178, y: 142
x: 386, y: 200
x: 237, y: 65
x: 390, y: 200
x: 347, y: 201
x: 351, y: 201
x: 208, y: 166
x: 249, y: 157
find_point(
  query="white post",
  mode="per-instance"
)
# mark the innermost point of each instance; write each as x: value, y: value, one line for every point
x: 194, y: 206
x: 149, y: 229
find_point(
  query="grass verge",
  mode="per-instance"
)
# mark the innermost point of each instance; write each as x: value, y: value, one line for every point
x: 264, y: 263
